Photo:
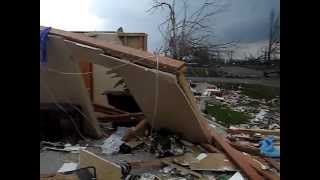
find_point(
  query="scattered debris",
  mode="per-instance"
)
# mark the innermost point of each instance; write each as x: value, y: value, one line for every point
x: 112, y: 144
x: 68, y: 167
x: 62, y: 148
x: 182, y: 170
x: 181, y: 145
x: 165, y: 143
x: 148, y: 176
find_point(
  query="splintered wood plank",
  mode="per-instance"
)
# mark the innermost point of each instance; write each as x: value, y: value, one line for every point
x: 273, y: 163
x: 236, y: 156
x: 135, y: 55
x: 104, y: 169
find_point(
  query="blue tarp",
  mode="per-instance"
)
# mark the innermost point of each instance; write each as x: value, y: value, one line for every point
x: 267, y: 148
x: 43, y: 45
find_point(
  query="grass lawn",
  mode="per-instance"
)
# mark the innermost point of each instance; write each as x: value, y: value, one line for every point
x: 226, y: 116
x: 260, y: 92
x: 253, y: 90
x: 199, y: 72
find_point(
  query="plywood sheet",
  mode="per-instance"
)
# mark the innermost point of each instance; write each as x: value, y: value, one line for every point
x: 58, y: 87
x: 104, y: 168
x: 174, y: 110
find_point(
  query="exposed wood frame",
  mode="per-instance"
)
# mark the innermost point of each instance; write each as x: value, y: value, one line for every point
x: 136, y: 56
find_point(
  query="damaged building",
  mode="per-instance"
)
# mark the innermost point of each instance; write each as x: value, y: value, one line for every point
x: 153, y: 115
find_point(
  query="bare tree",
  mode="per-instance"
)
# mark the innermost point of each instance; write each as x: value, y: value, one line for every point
x: 190, y: 33
x: 274, y: 42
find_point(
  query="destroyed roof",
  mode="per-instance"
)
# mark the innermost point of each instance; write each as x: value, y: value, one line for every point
x: 122, y: 52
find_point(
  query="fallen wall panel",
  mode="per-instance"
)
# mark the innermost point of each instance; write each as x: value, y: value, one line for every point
x: 174, y: 110
x: 58, y: 87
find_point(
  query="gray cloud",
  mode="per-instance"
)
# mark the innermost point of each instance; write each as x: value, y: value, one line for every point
x: 243, y: 20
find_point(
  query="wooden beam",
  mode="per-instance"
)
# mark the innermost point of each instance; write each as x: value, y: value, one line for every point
x: 273, y: 163
x: 265, y: 173
x: 236, y: 156
x: 246, y: 149
x: 210, y: 148
x: 138, y: 130
x: 253, y: 131
x: 140, y: 57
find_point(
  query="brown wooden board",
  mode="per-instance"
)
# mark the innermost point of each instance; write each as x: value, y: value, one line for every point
x: 137, y: 56
x: 273, y: 163
x: 236, y: 156
x: 86, y: 69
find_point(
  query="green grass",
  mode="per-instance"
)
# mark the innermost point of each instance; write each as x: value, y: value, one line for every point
x: 226, y: 116
x: 199, y: 72
x: 253, y: 90
x: 260, y: 92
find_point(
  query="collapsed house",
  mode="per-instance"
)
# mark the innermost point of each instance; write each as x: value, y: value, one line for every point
x: 157, y: 84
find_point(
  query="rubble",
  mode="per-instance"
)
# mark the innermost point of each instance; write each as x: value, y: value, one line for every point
x: 165, y: 143
x: 264, y: 114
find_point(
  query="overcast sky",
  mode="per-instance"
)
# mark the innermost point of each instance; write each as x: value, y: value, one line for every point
x: 244, y: 21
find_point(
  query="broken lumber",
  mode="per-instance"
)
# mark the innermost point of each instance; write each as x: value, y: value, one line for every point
x: 236, y: 156
x: 246, y: 149
x: 273, y: 163
x: 258, y: 166
x: 134, y: 55
x: 140, y: 129
x: 253, y: 131
x: 265, y: 173
x: 210, y: 148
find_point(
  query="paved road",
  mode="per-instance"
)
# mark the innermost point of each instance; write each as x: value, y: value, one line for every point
x: 265, y: 82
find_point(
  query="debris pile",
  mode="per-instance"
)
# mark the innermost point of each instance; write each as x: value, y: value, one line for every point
x: 264, y: 114
x: 169, y: 139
